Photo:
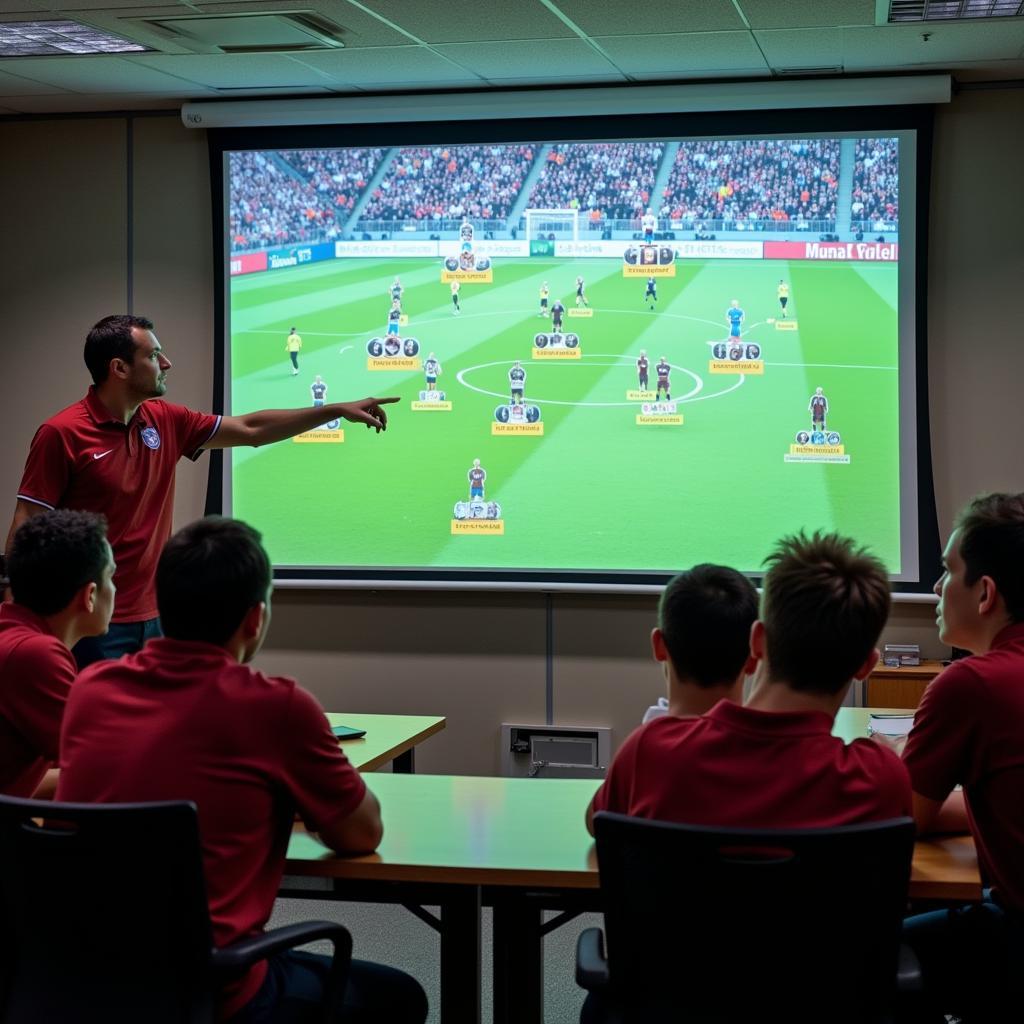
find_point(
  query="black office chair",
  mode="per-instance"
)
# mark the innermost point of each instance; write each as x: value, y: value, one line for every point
x: 103, y: 918
x: 711, y: 925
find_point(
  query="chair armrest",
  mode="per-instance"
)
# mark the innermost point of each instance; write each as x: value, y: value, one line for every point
x: 591, y: 964
x: 241, y: 955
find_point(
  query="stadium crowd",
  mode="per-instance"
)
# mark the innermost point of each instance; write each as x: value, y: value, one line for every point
x: 876, y: 196
x: 451, y: 182
x: 763, y: 179
x: 340, y: 174
x: 608, y: 180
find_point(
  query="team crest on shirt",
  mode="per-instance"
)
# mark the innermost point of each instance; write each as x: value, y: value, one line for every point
x: 150, y: 437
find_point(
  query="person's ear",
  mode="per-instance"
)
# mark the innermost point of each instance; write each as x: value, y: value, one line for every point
x: 757, y: 641
x: 658, y: 647
x: 988, y: 595
x: 252, y: 624
x: 869, y: 665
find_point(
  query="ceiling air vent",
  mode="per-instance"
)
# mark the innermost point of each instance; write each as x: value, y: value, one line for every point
x: 826, y: 69
x: 901, y: 11
x: 292, y: 32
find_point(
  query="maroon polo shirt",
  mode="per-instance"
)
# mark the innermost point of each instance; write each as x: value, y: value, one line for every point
x: 36, y: 673
x: 737, y: 767
x: 83, y: 458
x: 969, y: 731
x: 185, y: 721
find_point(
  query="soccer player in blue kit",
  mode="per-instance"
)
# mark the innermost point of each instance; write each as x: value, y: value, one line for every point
x: 319, y: 391
x: 735, y: 317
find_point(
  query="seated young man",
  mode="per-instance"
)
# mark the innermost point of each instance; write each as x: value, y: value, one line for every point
x: 186, y: 718
x: 969, y: 731
x: 60, y: 568
x: 774, y: 763
x: 702, y: 639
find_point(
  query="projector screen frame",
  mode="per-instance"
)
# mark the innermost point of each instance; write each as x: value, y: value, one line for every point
x: 584, y: 127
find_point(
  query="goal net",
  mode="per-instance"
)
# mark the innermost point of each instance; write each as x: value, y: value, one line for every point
x: 541, y: 223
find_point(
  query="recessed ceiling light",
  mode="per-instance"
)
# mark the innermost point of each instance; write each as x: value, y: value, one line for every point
x: 59, y: 38
x: 953, y: 10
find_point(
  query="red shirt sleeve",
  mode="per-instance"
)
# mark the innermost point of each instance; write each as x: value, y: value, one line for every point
x: 322, y: 782
x: 192, y: 429
x: 940, y: 747
x: 616, y: 790
x: 43, y: 670
x: 47, y: 468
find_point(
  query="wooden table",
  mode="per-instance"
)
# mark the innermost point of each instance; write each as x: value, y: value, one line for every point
x: 519, y: 846
x: 388, y: 738
x: 902, y: 687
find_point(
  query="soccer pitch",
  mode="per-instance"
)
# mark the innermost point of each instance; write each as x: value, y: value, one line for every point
x: 596, y: 490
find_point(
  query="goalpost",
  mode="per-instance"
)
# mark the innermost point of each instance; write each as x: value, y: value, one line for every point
x: 540, y: 222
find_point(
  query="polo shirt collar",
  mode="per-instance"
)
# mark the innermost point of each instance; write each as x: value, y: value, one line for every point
x: 167, y: 649
x: 778, y: 723
x: 101, y: 415
x: 14, y: 612
x: 1009, y: 635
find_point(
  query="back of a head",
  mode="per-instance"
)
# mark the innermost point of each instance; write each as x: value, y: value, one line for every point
x: 111, y: 338
x: 211, y: 573
x: 824, y: 606
x: 705, y: 615
x: 53, y: 555
x: 991, y: 538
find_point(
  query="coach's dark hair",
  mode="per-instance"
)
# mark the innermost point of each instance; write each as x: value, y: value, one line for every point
x: 209, y: 576
x: 992, y: 544
x: 705, y: 616
x: 111, y: 338
x: 53, y: 555
x: 824, y: 605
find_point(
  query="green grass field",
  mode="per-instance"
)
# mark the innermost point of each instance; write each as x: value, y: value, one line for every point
x: 597, y: 491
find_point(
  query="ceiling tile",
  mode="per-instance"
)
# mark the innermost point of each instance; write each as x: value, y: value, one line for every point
x: 608, y: 17
x: 13, y: 8
x: 523, y: 58
x: 383, y: 68
x: 227, y: 70
x: 807, y: 13
x: 105, y: 74
x: 360, y: 28
x: 453, y: 21
x: 899, y: 46
x: 13, y: 84
x: 68, y: 6
x: 802, y: 48
x: 675, y: 54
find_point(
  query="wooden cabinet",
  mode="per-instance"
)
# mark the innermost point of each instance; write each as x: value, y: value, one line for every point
x: 899, y: 687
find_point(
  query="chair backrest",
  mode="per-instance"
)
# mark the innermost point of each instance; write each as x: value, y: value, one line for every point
x: 103, y: 914
x: 742, y: 924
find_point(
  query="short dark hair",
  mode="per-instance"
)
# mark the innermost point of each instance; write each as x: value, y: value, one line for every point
x: 53, y: 555
x: 992, y: 544
x: 211, y: 573
x: 824, y: 605
x: 705, y: 615
x: 111, y: 338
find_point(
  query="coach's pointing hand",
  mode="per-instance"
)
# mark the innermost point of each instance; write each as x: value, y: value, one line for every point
x: 367, y: 411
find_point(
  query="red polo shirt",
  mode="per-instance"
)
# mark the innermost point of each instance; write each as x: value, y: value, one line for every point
x: 36, y: 673
x: 969, y: 731
x: 185, y: 721
x: 737, y: 767
x: 82, y: 458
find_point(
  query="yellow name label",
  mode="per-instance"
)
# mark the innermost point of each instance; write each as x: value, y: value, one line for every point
x: 534, y: 429
x: 393, y: 363
x: 658, y: 421
x: 430, y: 406
x: 817, y: 449
x: 320, y: 437
x: 556, y: 353
x: 754, y: 366
x: 641, y: 396
x: 785, y: 325
x: 494, y: 527
x: 628, y: 270
x: 586, y: 311
x: 467, y: 276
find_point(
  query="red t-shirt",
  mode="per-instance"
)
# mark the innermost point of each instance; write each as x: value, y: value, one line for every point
x: 969, y: 731
x: 185, y: 721
x: 737, y: 767
x: 84, y: 459
x: 36, y: 673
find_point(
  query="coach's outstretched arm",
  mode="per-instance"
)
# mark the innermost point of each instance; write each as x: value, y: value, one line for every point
x: 270, y: 425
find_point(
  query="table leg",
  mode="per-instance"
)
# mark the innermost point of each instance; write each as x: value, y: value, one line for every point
x: 404, y: 764
x: 460, y: 957
x: 518, y: 961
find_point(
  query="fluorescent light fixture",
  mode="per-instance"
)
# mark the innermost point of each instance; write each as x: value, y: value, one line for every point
x: 59, y: 38
x: 901, y: 11
x: 499, y: 104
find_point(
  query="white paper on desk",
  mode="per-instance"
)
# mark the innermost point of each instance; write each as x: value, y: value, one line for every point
x: 890, y: 725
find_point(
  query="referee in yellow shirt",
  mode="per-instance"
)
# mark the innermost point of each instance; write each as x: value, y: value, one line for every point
x: 783, y: 297
x: 292, y: 347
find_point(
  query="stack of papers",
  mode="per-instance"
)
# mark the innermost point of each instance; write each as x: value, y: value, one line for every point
x: 890, y: 725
